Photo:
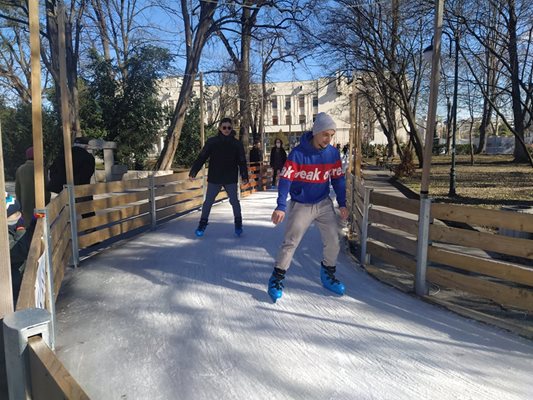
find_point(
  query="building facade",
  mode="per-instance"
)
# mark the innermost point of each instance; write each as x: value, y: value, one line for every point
x: 290, y: 107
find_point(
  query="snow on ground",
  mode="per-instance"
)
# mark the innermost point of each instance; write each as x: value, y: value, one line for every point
x: 169, y: 316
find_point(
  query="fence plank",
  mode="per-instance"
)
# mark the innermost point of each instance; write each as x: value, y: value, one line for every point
x: 178, y: 198
x: 391, y: 257
x: 112, y: 216
x: 179, y: 208
x: 483, y: 217
x: 49, y: 378
x: 502, y: 294
x: 482, y: 240
x: 58, y: 227
x: 498, y: 269
x: 26, y: 297
x: 395, y: 202
x: 59, y: 268
x: 57, y: 204
x: 179, y: 176
x: 394, y: 221
x: 110, y: 187
x: 115, y: 230
x: 177, y: 187
x: 394, y: 239
x: 110, y: 202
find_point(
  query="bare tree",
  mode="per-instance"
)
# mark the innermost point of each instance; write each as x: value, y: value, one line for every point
x: 509, y: 45
x: 197, y: 32
x: 237, y: 35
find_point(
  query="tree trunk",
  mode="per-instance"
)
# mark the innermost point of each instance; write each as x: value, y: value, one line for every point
x: 194, y: 51
x: 520, y: 151
x: 72, y: 68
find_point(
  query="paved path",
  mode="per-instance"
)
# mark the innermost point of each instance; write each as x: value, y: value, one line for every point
x: 168, y: 316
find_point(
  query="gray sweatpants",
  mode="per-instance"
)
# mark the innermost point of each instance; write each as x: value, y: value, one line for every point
x: 212, y: 191
x: 301, y: 216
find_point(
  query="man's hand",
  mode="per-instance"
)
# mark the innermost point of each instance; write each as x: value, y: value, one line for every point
x: 277, y: 216
x: 344, y: 213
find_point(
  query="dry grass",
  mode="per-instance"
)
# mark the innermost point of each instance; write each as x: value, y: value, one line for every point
x: 492, y: 182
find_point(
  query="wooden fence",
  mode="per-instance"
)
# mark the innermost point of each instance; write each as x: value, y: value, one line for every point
x: 466, y: 249
x: 103, y: 211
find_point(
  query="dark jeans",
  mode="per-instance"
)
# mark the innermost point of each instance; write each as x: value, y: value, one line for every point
x: 213, y: 189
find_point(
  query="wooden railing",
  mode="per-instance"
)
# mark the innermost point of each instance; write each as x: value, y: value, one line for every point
x: 118, y: 207
x: 470, y: 256
x: 49, y: 378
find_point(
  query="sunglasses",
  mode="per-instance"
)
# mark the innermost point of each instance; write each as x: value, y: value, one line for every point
x: 225, y: 128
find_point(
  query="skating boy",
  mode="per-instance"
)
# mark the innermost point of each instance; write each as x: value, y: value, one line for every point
x: 307, y: 174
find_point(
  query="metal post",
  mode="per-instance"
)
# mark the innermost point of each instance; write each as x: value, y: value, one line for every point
x: 364, y: 228
x: 153, y: 209
x: 422, y: 247
x: 352, y: 205
x: 18, y: 328
x: 73, y: 225
x: 452, y: 191
x: 48, y: 251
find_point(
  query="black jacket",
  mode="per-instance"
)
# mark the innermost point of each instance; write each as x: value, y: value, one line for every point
x: 278, y: 158
x: 255, y: 155
x: 226, y: 157
x: 83, y: 166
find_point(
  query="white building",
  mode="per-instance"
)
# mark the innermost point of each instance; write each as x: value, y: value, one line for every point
x: 290, y: 109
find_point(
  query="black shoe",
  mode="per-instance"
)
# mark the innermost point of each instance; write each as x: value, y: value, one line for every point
x: 238, y: 226
x: 201, y: 228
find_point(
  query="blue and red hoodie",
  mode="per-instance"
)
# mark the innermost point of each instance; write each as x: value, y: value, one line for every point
x: 307, y: 173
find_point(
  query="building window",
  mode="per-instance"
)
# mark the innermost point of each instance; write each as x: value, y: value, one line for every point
x: 302, y: 119
x: 301, y: 101
x: 275, y: 120
x: 287, y: 102
x: 274, y: 103
x: 171, y: 104
x: 288, y: 119
x: 314, y: 117
x: 315, y: 101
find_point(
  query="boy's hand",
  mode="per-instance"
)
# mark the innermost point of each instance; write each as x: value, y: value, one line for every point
x: 344, y: 213
x: 277, y: 216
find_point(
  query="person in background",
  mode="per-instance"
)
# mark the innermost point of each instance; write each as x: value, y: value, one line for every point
x: 256, y: 154
x: 25, y: 188
x: 278, y: 156
x: 83, y: 167
x: 19, y: 242
x: 226, y: 157
x: 307, y: 174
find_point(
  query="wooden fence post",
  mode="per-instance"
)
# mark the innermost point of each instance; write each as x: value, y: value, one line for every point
x: 73, y: 225
x: 363, y: 258
x: 422, y: 247
x: 50, y: 297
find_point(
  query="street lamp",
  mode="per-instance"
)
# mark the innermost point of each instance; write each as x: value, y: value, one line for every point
x: 428, y: 52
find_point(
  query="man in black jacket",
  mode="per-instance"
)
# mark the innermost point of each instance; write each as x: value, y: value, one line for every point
x: 226, y: 156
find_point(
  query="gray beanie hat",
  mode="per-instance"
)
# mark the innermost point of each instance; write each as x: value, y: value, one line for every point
x: 323, y: 122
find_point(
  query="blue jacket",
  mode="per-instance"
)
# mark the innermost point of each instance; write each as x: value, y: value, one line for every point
x: 307, y: 173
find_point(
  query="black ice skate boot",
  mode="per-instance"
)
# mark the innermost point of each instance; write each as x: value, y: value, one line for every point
x: 238, y: 226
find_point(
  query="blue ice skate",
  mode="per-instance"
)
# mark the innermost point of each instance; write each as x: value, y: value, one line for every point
x: 327, y: 276
x: 201, y: 228
x: 238, y: 231
x: 275, y: 284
